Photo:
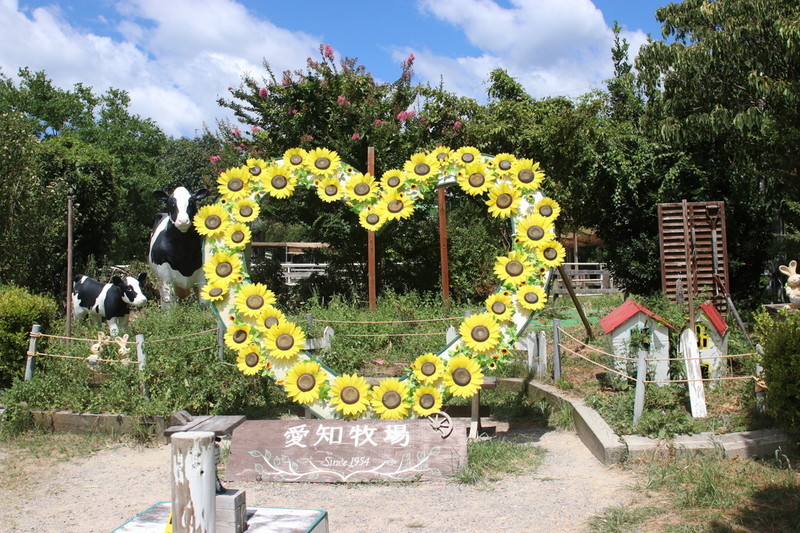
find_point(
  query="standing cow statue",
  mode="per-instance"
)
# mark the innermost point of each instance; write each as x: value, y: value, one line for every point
x: 108, y: 301
x: 176, y: 249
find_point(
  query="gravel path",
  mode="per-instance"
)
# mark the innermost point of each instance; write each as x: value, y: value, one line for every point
x: 101, y: 492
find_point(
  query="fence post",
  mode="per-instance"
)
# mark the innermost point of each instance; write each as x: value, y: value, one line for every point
x: 30, y: 362
x: 556, y: 350
x: 641, y: 376
x: 542, y: 354
x: 450, y: 335
x: 220, y: 343
x: 531, y: 344
x: 141, y: 356
x: 194, y: 476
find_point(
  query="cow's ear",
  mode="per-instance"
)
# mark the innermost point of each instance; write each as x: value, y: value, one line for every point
x: 161, y: 195
x: 116, y: 280
x: 200, y: 194
x: 142, y: 277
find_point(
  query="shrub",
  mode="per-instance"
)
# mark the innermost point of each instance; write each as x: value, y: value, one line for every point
x: 19, y: 310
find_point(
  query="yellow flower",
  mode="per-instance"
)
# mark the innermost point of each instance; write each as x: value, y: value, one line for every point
x: 502, y: 163
x: 237, y: 236
x: 372, y: 218
x: 535, y: 230
x: 329, y: 189
x: 361, y: 187
x: 234, y: 183
x: 392, y: 179
x: 295, y: 158
x: 526, y: 174
x: 513, y: 268
x: 238, y: 336
x: 427, y: 368
x: 532, y: 297
x: 427, y: 400
x: 503, y: 201
x: 222, y: 267
x: 270, y: 317
x: 323, y: 162
x: 214, y: 292
x: 396, y: 205
x: 252, y: 299
x: 350, y: 395
x: 480, y: 333
x: 278, y: 181
x: 211, y: 220
x: 390, y: 399
x: 421, y: 166
x: 285, y: 340
x: 463, y: 377
x: 443, y: 155
x: 467, y: 155
x: 548, y: 208
x: 246, y: 210
x: 500, y: 306
x: 304, y: 381
x: 475, y: 180
x: 249, y: 360
x: 551, y: 254
x: 256, y: 167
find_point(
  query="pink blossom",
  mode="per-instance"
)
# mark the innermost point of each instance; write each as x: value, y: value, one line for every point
x: 237, y: 132
x: 263, y: 92
x: 457, y: 125
x: 293, y: 111
x: 327, y: 51
x: 410, y: 59
x: 402, y: 116
x: 254, y: 129
x: 214, y: 159
x: 342, y: 101
x: 378, y: 122
x: 356, y: 136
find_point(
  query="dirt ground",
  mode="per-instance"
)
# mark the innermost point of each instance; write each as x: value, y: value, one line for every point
x: 100, y: 492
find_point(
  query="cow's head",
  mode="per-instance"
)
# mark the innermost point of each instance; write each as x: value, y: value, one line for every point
x: 131, y: 289
x: 182, y: 205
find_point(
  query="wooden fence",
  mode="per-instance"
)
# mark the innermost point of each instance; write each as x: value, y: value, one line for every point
x: 586, y: 278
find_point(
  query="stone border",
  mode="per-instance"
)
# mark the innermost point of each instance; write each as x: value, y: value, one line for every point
x: 610, y: 448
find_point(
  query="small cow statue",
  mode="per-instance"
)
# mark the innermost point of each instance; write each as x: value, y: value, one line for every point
x: 108, y: 301
x: 176, y: 249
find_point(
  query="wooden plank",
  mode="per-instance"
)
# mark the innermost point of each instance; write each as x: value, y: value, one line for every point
x: 220, y: 425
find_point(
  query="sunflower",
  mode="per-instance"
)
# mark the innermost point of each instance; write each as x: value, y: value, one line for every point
x: 372, y: 218
x: 427, y: 368
x: 249, y: 360
x: 238, y: 336
x: 474, y: 179
x: 480, y: 333
x: 246, y: 210
x: 214, y: 292
x: 390, y: 399
x: 237, y: 236
x: 513, y: 268
x: 551, y: 254
x: 463, y: 377
x: 350, y: 395
x: 396, y: 205
x: 222, y: 267
x: 304, y: 381
x: 392, y: 179
x: 526, y: 174
x: 279, y: 181
x: 284, y: 340
x: 211, y: 220
x: 252, y: 299
x: 532, y: 297
x: 500, y: 306
x: 535, y: 230
x: 329, y: 190
x: 503, y: 201
x: 270, y: 317
x: 421, y: 166
x: 548, y: 208
x: 502, y: 163
x: 361, y: 187
x: 295, y: 158
x: 443, y: 155
x: 427, y: 400
x: 234, y: 183
x: 467, y: 155
x: 256, y: 167
x: 323, y: 162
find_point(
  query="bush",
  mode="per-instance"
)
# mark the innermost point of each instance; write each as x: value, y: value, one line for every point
x: 19, y: 310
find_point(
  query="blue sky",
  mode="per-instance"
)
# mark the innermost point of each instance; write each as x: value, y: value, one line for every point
x: 175, y: 57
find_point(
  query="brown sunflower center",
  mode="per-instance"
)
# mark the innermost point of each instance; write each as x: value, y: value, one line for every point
x: 550, y: 253
x: 284, y: 341
x: 467, y: 158
x: 295, y: 159
x: 525, y: 175
x: 331, y: 190
x: 514, y: 268
x: 224, y: 269
x: 350, y: 395
x: 235, y: 184
x: 279, y: 181
x: 395, y: 206
x: 426, y: 401
x: 239, y: 336
x: 479, y: 333
x: 461, y: 377
x: 361, y: 189
x: 372, y: 218
x: 535, y: 233
x: 255, y: 301
x: 216, y: 291
x: 393, y: 181
x: 237, y: 236
x: 546, y: 210
x: 391, y: 399
x: 505, y: 164
x: 251, y: 359
x: 531, y: 297
x: 306, y: 382
x: 504, y: 201
x: 421, y: 169
x: 441, y: 156
x: 322, y: 163
x: 255, y: 170
x: 476, y: 179
x: 213, y: 222
x: 428, y: 368
x: 270, y: 321
x: 246, y: 211
x: 498, y: 308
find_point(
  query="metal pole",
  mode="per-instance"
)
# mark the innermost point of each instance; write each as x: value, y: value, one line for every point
x: 69, y: 267
x: 30, y: 362
x: 443, y: 247
x: 372, y: 290
x: 556, y: 350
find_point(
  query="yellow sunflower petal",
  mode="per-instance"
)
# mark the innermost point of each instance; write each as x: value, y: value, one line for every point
x: 427, y: 401
x: 304, y: 382
x: 211, y: 220
x: 390, y: 399
x: 253, y: 299
x: 463, y: 377
x: 480, y: 333
x: 249, y: 359
x: 284, y: 340
x: 427, y: 368
x: 246, y: 210
x: 350, y: 395
x: 532, y: 297
x: 323, y: 162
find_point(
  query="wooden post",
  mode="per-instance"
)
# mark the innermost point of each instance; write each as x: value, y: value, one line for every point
x: 443, y: 247
x: 194, y: 478
x: 641, y: 376
x: 568, y: 284
x: 689, y: 264
x: 556, y: 350
x: 69, y: 267
x: 531, y: 344
x: 371, y: 281
x: 30, y: 362
x: 542, y: 354
x: 141, y: 356
x: 220, y: 343
x: 691, y: 356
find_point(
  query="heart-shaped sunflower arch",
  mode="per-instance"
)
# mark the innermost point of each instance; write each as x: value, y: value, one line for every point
x: 266, y: 341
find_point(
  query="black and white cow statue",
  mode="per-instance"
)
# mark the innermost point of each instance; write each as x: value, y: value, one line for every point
x: 176, y: 249
x: 107, y: 301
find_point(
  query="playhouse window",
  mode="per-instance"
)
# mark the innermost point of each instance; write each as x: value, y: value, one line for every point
x: 701, y: 332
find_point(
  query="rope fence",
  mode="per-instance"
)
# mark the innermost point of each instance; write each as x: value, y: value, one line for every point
x: 421, y: 320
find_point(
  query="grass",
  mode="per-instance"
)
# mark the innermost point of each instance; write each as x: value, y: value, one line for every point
x: 489, y: 460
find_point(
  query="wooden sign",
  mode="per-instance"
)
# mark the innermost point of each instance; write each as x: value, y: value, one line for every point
x: 336, y: 451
